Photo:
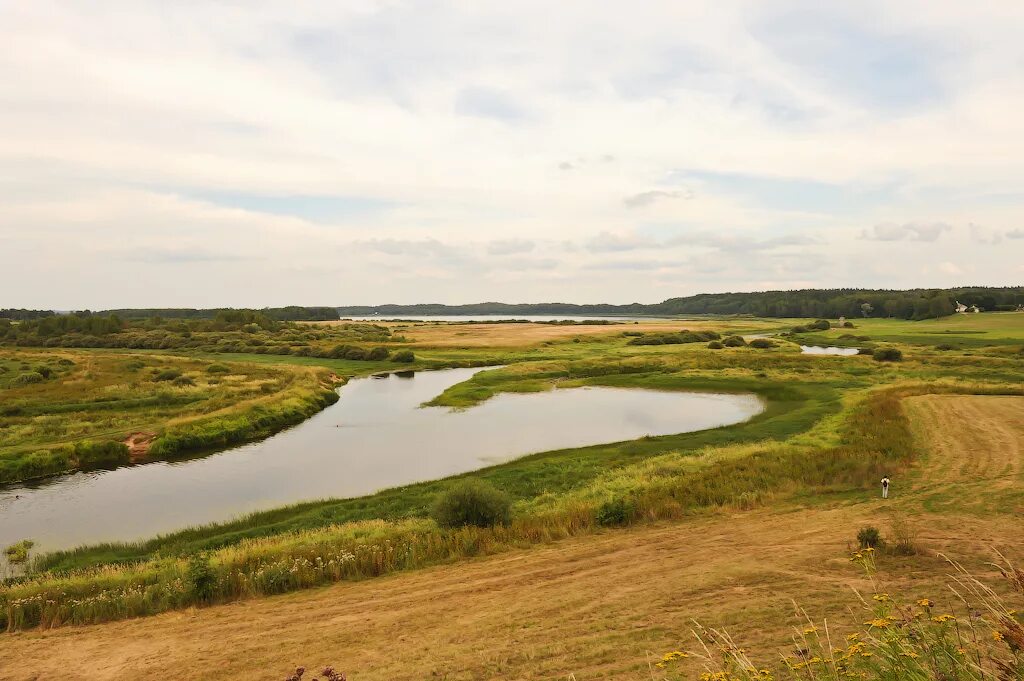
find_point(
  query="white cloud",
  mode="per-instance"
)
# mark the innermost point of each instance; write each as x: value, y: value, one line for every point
x: 255, y: 154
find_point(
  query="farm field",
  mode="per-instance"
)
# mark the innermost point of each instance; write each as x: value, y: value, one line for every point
x: 601, y: 606
x: 707, y: 514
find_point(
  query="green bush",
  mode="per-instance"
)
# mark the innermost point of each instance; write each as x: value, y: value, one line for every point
x: 201, y: 579
x: 715, y: 345
x: 820, y: 325
x: 761, y: 343
x: 734, y: 342
x: 356, y: 353
x: 472, y: 502
x: 95, y: 454
x: 378, y: 353
x: 217, y: 369
x: 615, y: 512
x: 28, y: 378
x: 167, y: 375
x: 887, y: 355
x: 404, y: 356
x: 869, y: 537
x: 182, y: 381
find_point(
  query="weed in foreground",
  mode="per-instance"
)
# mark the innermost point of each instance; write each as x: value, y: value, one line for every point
x: 979, y: 639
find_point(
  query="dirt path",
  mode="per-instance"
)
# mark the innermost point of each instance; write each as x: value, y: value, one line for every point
x: 594, y: 607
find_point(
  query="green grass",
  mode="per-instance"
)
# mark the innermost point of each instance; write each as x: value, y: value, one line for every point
x: 89, y: 401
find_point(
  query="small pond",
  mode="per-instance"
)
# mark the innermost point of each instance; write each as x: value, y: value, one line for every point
x: 376, y: 436
x: 820, y: 350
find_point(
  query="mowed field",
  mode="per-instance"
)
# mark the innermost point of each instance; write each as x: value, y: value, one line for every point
x: 604, y: 606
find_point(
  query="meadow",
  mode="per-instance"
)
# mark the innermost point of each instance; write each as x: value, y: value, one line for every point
x: 831, y: 424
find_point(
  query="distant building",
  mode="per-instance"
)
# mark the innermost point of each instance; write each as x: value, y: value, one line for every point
x: 961, y: 308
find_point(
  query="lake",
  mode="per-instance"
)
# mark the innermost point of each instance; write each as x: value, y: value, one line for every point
x: 496, y: 318
x: 376, y: 436
x: 820, y: 350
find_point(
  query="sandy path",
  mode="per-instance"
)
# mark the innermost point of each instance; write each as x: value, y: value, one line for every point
x: 594, y: 607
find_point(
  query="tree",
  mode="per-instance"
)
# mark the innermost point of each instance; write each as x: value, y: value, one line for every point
x: 866, y: 309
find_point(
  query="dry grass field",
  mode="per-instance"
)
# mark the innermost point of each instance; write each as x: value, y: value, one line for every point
x: 599, y: 607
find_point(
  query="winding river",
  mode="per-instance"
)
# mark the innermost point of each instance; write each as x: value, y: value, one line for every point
x: 376, y: 436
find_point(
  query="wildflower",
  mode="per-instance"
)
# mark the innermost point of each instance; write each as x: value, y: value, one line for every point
x: 997, y: 636
x: 881, y: 598
x: 942, y: 619
x: 811, y: 629
x: 878, y: 623
x: 925, y: 603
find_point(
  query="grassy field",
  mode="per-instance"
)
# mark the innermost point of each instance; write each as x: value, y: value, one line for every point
x: 603, y: 606
x: 82, y: 409
x: 832, y: 427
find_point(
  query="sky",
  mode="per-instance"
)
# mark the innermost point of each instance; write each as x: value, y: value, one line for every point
x: 249, y: 154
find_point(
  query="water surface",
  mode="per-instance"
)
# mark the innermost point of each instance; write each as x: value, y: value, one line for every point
x: 820, y: 350
x: 376, y: 436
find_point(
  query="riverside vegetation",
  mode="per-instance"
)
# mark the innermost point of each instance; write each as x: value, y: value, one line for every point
x: 831, y: 424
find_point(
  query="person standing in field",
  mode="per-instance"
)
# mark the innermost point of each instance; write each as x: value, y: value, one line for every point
x: 885, y: 487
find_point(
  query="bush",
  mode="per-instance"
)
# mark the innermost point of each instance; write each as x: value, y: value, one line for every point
x: 45, y: 371
x: 820, y: 325
x: 182, y: 381
x: 167, y: 375
x: 715, y: 345
x: 734, y: 342
x: 848, y: 325
x: 378, y: 354
x: 201, y: 579
x: 887, y: 355
x: 404, y: 356
x: 472, y: 502
x: 615, y: 512
x: 869, y: 537
x: 904, y: 540
x: 217, y: 369
x: 761, y: 343
x: 96, y: 454
x: 356, y: 354
x: 28, y: 378
x: 945, y: 346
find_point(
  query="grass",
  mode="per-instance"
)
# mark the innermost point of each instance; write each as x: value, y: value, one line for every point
x: 831, y: 424
x: 89, y: 402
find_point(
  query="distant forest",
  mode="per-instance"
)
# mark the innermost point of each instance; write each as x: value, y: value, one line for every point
x: 292, y: 313
x: 819, y: 303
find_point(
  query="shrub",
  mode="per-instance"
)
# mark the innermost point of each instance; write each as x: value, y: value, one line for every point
x: 820, y: 325
x: 868, y: 537
x: 28, y: 378
x: 734, y: 342
x: 799, y: 329
x: 93, y: 454
x: 904, y: 540
x: 18, y: 552
x: 887, y: 355
x: 182, y: 381
x: 472, y: 502
x: 167, y: 375
x: 615, y: 512
x: 715, y: 345
x: 356, y: 353
x: 404, y: 356
x: 848, y: 325
x: 761, y: 343
x: 43, y: 370
x: 217, y: 369
x: 378, y: 353
x: 201, y: 579
x: 945, y: 346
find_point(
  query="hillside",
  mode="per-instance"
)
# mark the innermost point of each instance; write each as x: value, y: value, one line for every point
x: 603, y: 606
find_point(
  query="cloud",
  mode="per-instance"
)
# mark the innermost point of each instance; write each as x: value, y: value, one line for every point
x: 609, y: 242
x: 510, y: 246
x: 176, y: 256
x: 913, y: 231
x: 647, y: 198
x: 950, y: 268
x: 984, y: 235
x: 1015, y: 234
x: 485, y: 102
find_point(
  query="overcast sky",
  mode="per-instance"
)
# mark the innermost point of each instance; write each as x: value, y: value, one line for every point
x: 265, y: 153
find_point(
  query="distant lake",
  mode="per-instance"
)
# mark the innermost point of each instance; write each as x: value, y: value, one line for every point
x: 820, y: 350
x: 495, y: 318
x: 376, y: 436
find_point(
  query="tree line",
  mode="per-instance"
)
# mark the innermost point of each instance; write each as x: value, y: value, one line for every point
x: 817, y: 303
